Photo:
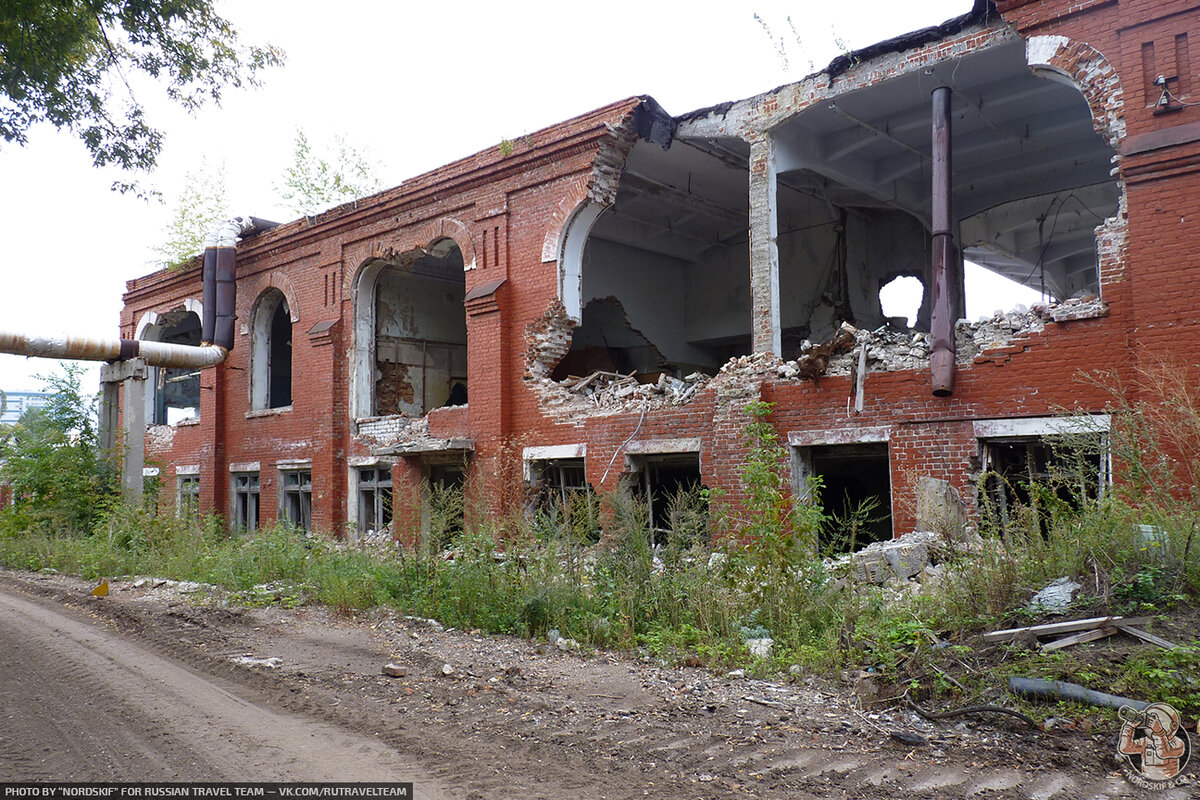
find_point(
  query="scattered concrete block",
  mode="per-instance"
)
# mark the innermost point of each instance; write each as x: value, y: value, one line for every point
x: 939, y: 508
x: 760, y: 648
x: 395, y: 670
x: 1056, y: 597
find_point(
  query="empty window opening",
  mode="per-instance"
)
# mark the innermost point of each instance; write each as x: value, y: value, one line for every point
x: 188, y: 497
x: 374, y: 500
x: 271, y: 356
x: 442, y: 511
x: 670, y: 486
x: 563, y: 497
x: 900, y: 299
x: 245, y: 501
x: 1038, y: 476
x: 173, y: 395
x: 420, y: 332
x: 671, y: 252
x: 296, y: 498
x: 856, y: 493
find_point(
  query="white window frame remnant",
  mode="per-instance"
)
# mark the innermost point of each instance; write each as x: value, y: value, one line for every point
x: 554, y: 452
x: 372, y: 519
x: 149, y: 328
x: 541, y: 462
x: 187, y: 491
x: 1038, y: 429
x: 570, y: 257
x: 246, y: 496
x: 295, y: 484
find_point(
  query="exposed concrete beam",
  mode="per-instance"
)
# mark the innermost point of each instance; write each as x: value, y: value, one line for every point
x: 686, y: 200
x: 805, y: 153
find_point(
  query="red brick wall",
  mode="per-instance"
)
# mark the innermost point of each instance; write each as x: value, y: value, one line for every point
x: 500, y: 207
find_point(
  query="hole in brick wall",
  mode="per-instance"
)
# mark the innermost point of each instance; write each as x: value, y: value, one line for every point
x: 605, y: 341
x: 900, y: 299
x: 671, y: 252
x: 989, y: 293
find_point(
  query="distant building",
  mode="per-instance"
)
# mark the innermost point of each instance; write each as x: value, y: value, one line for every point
x: 14, y: 404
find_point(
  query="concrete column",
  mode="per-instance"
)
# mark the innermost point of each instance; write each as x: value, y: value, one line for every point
x: 764, y: 250
x: 132, y: 374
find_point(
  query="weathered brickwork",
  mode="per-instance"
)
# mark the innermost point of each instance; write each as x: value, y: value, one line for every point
x: 507, y: 211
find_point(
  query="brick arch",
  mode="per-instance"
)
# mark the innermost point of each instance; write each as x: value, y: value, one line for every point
x: 250, y: 296
x: 447, y: 228
x: 149, y: 319
x: 575, y: 195
x: 1089, y: 71
x: 1093, y: 75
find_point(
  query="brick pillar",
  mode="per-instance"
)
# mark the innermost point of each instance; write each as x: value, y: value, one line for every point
x: 315, y: 405
x: 487, y: 404
x: 764, y: 251
x: 214, y: 464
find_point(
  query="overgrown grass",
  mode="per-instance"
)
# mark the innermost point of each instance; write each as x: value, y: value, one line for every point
x: 722, y: 575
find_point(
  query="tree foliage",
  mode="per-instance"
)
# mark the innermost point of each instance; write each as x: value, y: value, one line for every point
x: 51, y: 459
x: 70, y: 64
x: 199, y: 207
x: 312, y: 184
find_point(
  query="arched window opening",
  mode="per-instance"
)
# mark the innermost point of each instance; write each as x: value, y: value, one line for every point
x: 411, y: 331
x: 271, y: 378
x: 173, y: 395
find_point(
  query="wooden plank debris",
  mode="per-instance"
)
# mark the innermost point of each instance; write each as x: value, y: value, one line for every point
x: 1138, y: 633
x: 1079, y: 638
x: 1072, y: 626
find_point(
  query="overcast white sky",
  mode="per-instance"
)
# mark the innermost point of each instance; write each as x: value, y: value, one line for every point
x: 415, y: 84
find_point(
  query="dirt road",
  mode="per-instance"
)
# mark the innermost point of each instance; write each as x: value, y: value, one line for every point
x: 84, y: 703
x: 169, y: 683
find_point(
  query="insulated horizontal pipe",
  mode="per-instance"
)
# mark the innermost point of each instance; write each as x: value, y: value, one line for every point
x: 86, y: 348
x: 1061, y: 690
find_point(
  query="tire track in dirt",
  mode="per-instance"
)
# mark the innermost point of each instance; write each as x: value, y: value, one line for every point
x: 80, y: 702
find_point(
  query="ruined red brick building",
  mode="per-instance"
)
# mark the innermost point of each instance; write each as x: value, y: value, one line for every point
x: 490, y: 306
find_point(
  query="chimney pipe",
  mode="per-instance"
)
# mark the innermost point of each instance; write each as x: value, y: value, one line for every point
x: 945, y: 253
x: 220, y: 289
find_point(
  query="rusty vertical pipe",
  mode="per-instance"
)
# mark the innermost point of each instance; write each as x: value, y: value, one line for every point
x: 945, y: 303
x: 220, y: 287
x: 208, y: 322
x: 226, y: 293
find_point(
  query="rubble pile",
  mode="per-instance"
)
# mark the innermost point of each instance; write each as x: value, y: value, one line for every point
x: 891, y: 350
x: 603, y: 388
x: 896, y: 559
x: 753, y: 364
